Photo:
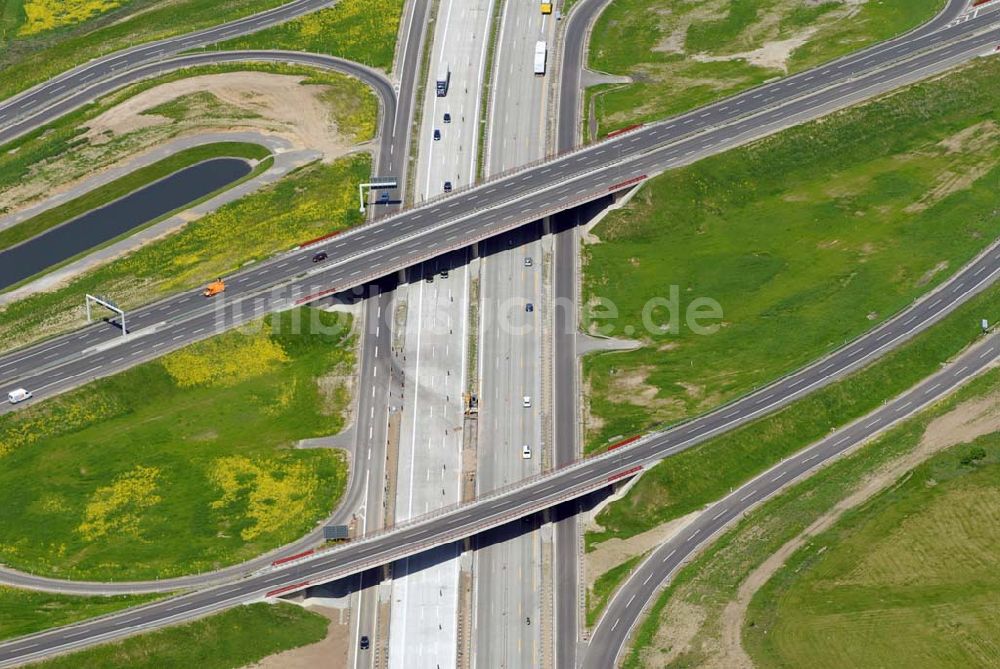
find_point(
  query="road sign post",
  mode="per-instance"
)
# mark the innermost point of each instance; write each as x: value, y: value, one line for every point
x: 108, y: 304
x: 375, y: 184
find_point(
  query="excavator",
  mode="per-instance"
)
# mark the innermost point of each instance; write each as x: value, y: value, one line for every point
x: 214, y: 288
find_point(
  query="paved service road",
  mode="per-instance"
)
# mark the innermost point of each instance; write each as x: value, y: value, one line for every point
x: 407, y: 238
x: 533, y: 495
x: 615, y: 626
x: 38, y: 100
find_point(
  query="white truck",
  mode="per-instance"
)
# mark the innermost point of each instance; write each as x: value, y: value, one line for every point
x: 540, y: 53
x: 443, y: 79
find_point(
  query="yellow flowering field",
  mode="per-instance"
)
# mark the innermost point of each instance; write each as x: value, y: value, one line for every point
x: 224, y: 361
x: 42, y: 15
x: 184, y: 464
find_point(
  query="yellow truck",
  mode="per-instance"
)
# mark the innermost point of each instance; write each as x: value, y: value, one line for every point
x: 214, y: 288
x: 546, y: 8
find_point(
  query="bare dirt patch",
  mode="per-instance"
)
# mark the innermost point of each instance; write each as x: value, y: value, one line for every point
x: 280, y: 105
x: 330, y: 652
x: 270, y: 104
x: 772, y: 55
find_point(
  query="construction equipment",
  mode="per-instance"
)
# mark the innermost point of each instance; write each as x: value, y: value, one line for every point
x: 214, y: 288
x: 471, y: 404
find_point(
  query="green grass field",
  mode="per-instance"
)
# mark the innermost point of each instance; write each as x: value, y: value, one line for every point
x: 183, y: 464
x: 235, y: 638
x: 26, y: 612
x: 693, y: 478
x: 912, y: 579
x: 359, y: 30
x: 123, y: 186
x: 311, y: 201
x: 703, y: 588
x: 683, y: 54
x: 29, y: 59
x: 805, y: 239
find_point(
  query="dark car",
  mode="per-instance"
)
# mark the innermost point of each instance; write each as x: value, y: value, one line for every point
x: 447, y: 117
x: 319, y: 257
x: 529, y: 307
x: 383, y: 196
x: 447, y: 186
x: 437, y: 134
x: 365, y: 643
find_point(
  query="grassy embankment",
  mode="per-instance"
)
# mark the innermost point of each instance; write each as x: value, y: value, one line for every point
x: 28, y: 59
x: 864, y: 623
x: 26, y: 612
x: 308, y: 202
x: 360, y: 30
x: 127, y: 184
x: 238, y: 637
x: 605, y: 586
x: 182, y: 464
x: 682, y: 54
x: 689, y: 480
x: 65, y: 150
x: 806, y: 239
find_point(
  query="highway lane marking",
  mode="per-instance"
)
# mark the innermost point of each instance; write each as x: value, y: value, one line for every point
x: 932, y: 388
x: 779, y: 476
x: 669, y: 555
x: 811, y: 457
x: 694, y: 534
x: 731, y: 413
x: 748, y: 495
x: 827, y: 368
x: 842, y: 440
x: 874, y: 422
x: 629, y: 602
x: 980, y: 270
x: 720, y: 514
x: 883, y: 335
x: 934, y: 303
x: 903, y: 406
x: 984, y: 354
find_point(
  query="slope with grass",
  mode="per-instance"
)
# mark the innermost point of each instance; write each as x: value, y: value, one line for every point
x: 236, y: 638
x: 33, y: 50
x: 26, y: 611
x: 123, y: 186
x: 912, y: 579
x: 692, y: 622
x: 683, y: 54
x: 311, y: 201
x: 312, y: 109
x: 689, y: 480
x: 360, y: 30
x: 805, y: 239
x: 183, y: 464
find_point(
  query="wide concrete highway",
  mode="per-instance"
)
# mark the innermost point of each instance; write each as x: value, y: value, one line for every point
x: 531, y: 496
x: 407, y: 238
x: 615, y: 626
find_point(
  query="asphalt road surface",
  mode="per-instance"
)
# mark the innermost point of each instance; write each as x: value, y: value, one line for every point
x: 615, y: 627
x: 531, y: 496
x: 407, y: 238
x: 34, y: 104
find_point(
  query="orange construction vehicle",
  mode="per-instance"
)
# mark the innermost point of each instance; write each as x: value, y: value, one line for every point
x: 214, y: 288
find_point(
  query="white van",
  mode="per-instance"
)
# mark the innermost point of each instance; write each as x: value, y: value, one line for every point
x: 18, y: 395
x: 526, y: 452
x: 526, y: 401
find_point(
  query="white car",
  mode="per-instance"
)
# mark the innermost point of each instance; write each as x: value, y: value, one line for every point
x: 526, y: 401
x: 18, y: 395
x: 526, y: 452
